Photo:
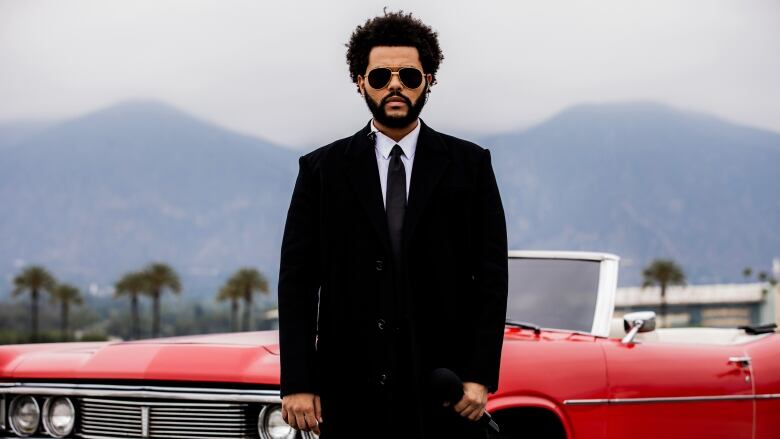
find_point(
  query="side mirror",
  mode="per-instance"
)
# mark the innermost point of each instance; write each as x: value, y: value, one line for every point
x: 636, y: 322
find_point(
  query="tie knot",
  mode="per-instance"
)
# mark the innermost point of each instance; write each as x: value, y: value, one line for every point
x: 396, y: 151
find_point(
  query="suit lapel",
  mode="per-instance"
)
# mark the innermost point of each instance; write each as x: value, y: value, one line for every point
x: 363, y: 175
x: 430, y: 160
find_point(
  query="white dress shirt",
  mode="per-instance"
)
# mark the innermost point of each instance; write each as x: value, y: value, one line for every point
x: 383, y: 147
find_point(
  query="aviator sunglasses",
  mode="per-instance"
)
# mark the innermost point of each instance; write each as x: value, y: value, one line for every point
x: 379, y: 77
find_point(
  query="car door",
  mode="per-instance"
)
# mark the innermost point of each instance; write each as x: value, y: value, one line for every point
x: 676, y: 390
x: 765, y: 363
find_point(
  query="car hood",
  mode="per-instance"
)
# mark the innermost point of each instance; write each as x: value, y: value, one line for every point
x: 248, y: 357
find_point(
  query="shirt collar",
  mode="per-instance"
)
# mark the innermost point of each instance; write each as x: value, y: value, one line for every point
x: 408, y: 144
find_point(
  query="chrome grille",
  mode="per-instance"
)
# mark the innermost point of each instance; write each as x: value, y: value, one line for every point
x: 2, y: 412
x: 103, y: 418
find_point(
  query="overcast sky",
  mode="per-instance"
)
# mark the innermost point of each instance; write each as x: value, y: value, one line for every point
x: 277, y: 69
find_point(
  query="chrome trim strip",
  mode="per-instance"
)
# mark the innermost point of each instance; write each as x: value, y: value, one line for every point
x: 562, y: 254
x: 184, y: 406
x: 585, y: 401
x: 154, y: 392
x: 136, y: 387
x: 145, y: 421
x: 668, y: 399
x: 2, y: 412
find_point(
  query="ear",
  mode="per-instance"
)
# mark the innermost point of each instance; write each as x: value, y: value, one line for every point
x: 361, y: 85
x: 429, y: 79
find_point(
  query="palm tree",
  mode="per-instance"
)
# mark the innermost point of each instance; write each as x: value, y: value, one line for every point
x: 247, y: 281
x: 663, y: 272
x: 159, y: 277
x: 765, y: 278
x: 65, y: 294
x: 229, y: 291
x: 132, y: 284
x: 34, y: 279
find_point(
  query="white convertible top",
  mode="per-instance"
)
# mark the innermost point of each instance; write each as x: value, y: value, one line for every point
x: 720, y: 336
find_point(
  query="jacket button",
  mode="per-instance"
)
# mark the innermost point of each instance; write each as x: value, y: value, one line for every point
x: 380, y: 265
x: 380, y: 324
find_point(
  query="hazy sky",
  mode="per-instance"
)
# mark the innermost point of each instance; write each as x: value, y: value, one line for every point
x: 278, y: 70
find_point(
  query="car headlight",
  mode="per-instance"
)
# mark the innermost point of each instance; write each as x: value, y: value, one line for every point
x: 24, y: 415
x: 59, y: 416
x: 271, y: 425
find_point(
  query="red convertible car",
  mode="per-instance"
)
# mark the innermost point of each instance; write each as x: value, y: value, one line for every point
x: 568, y: 371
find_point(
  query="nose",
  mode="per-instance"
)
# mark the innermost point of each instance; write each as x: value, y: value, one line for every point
x: 395, y: 82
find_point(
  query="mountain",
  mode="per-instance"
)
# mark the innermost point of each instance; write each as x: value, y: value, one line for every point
x: 643, y: 180
x: 94, y: 197
x: 12, y: 133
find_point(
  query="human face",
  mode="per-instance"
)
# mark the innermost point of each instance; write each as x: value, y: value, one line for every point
x: 394, y: 105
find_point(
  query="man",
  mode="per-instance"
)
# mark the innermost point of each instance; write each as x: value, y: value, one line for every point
x: 394, y: 261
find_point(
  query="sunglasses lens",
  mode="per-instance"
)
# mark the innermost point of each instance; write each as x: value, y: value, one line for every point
x: 378, y: 78
x: 412, y: 78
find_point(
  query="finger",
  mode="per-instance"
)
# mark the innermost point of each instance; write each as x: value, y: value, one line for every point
x: 300, y: 421
x: 462, y: 404
x: 316, y: 429
x: 466, y: 412
x: 292, y: 419
x: 476, y: 414
x: 317, y: 409
x: 311, y: 421
x: 466, y: 404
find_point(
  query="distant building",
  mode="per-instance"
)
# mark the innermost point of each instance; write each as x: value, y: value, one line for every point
x: 272, y: 317
x: 718, y: 305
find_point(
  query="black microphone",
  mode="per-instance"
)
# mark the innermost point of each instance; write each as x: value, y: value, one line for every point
x: 446, y: 386
x: 372, y: 135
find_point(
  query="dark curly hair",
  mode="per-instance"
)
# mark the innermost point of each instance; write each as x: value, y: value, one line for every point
x: 393, y: 29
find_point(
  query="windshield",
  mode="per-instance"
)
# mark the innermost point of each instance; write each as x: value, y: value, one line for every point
x: 553, y: 293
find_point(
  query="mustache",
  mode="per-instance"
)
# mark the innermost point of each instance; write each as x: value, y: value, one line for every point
x: 396, y: 94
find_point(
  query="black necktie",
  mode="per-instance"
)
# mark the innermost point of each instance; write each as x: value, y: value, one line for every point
x: 395, y: 201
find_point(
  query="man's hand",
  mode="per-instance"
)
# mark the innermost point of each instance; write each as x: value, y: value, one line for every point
x: 302, y: 411
x: 474, y: 400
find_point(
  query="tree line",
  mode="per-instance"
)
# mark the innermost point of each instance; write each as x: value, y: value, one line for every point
x: 154, y: 280
x: 151, y: 282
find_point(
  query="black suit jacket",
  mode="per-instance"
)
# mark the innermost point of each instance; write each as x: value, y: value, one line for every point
x: 347, y: 322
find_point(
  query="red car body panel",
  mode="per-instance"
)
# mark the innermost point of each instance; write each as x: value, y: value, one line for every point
x: 549, y: 368
x: 668, y: 384
x: 228, y: 358
x: 765, y: 366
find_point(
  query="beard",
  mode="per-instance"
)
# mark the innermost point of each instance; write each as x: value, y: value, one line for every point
x: 380, y: 115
